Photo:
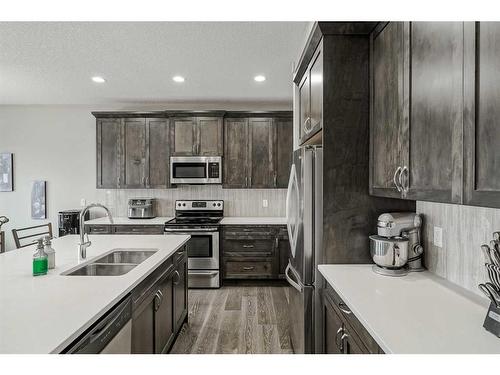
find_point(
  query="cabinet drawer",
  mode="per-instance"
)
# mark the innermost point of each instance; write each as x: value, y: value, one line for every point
x: 365, y: 337
x: 138, y: 229
x: 248, y: 269
x: 248, y: 232
x: 98, y: 229
x: 250, y: 248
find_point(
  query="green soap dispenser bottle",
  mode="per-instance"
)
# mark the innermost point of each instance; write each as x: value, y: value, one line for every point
x: 40, y: 260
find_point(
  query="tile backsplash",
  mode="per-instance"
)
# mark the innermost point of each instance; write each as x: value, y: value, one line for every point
x: 237, y: 202
x: 465, y: 229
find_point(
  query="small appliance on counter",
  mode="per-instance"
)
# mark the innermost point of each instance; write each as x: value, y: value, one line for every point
x: 141, y: 208
x: 396, y: 249
x: 69, y: 222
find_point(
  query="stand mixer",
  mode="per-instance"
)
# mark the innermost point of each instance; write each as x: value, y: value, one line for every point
x: 396, y: 249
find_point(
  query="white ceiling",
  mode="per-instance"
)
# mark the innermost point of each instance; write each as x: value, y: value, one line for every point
x: 52, y: 63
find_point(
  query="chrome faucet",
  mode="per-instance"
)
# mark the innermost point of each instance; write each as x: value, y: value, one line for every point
x: 84, y: 240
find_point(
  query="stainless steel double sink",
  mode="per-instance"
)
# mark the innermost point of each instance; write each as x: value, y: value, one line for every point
x: 116, y: 262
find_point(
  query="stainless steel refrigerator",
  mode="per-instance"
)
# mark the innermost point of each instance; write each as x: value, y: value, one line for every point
x: 304, y: 211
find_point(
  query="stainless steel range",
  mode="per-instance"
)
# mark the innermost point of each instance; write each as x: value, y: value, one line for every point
x: 200, y: 219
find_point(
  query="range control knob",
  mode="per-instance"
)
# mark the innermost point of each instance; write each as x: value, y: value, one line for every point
x: 213, y: 204
x: 218, y: 204
x: 184, y: 204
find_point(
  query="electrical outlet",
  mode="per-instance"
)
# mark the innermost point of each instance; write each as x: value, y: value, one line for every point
x: 265, y: 203
x: 438, y: 236
x: 83, y: 202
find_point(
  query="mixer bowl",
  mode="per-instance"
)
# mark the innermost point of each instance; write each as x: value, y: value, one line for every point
x: 391, y: 253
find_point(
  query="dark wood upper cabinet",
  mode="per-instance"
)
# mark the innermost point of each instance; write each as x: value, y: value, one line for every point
x: 284, y: 151
x: 417, y: 109
x: 158, y: 153
x: 197, y: 136
x: 433, y: 152
x: 257, y: 151
x: 109, y: 153
x: 235, y: 153
x: 310, y: 97
x: 134, y: 140
x: 386, y: 133
x: 261, y: 131
x: 482, y: 114
x: 184, y: 136
x: 210, y: 136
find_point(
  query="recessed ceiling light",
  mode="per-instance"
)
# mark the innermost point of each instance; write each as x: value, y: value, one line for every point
x: 178, y: 79
x: 98, y: 79
x: 259, y: 78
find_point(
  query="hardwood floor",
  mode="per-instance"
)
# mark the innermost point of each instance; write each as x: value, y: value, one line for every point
x: 250, y: 318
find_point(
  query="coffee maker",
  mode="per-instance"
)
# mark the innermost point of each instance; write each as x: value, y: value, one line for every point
x: 396, y: 249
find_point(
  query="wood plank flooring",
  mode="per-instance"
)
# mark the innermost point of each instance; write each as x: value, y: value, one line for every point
x: 249, y: 318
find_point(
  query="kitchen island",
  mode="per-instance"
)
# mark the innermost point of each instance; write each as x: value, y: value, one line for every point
x: 45, y: 314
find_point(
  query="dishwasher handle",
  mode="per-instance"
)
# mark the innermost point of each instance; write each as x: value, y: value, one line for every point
x: 97, y: 337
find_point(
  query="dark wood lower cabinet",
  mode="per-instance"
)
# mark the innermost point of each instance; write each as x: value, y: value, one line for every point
x: 123, y: 229
x: 160, y: 306
x: 254, y: 251
x: 342, y: 331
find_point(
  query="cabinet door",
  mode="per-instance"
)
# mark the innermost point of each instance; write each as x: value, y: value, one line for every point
x: 284, y: 152
x: 209, y: 142
x: 235, y: 153
x: 158, y: 153
x: 134, y: 131
x: 316, y: 91
x: 332, y: 329
x: 184, y: 136
x: 262, y: 163
x: 180, y: 294
x: 434, y: 152
x: 304, y: 105
x: 164, y: 322
x: 109, y: 153
x: 482, y: 119
x: 386, y: 95
x: 143, y: 322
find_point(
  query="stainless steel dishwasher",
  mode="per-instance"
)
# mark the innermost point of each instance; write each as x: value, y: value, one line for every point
x: 112, y: 334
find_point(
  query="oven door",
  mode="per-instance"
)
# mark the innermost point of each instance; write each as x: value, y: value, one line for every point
x: 202, y: 248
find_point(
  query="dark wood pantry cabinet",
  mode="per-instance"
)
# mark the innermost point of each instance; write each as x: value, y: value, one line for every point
x: 416, y: 111
x: 482, y: 114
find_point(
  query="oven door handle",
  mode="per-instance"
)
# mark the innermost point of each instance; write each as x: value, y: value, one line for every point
x: 202, y: 273
x: 191, y: 230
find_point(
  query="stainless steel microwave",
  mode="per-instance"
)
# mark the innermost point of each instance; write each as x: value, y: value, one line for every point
x: 195, y: 170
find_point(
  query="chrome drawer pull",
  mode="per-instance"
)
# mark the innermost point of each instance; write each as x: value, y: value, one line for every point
x: 248, y: 246
x: 248, y: 268
x: 343, y: 307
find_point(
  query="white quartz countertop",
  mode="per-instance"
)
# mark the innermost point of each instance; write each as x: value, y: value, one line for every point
x: 44, y: 314
x: 417, y: 313
x: 252, y: 220
x: 126, y: 221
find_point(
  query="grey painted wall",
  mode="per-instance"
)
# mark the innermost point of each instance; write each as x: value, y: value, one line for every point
x: 57, y: 144
x: 465, y: 229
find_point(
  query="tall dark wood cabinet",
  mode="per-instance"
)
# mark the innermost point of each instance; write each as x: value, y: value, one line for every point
x: 109, y: 153
x: 416, y: 111
x: 258, y: 150
x: 482, y: 114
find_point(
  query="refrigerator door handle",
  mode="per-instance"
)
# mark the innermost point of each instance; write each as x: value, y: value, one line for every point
x: 292, y: 214
x: 291, y: 281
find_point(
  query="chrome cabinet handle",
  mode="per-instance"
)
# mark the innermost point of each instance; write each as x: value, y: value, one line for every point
x: 343, y: 307
x: 178, y: 277
x: 276, y: 242
x: 275, y: 179
x: 143, y: 180
x: 248, y: 268
x: 147, y: 181
x: 157, y: 300
x: 395, y: 179
x: 404, y: 185
x: 345, y: 336
x: 246, y: 181
x: 248, y: 246
x: 339, y: 345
